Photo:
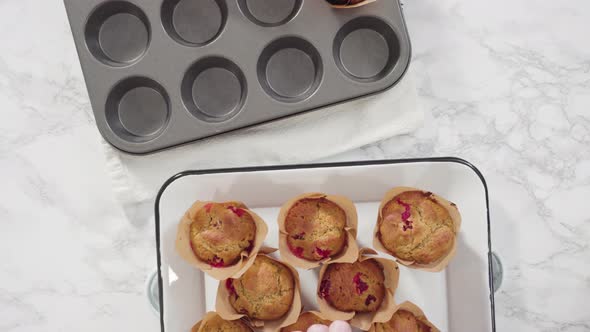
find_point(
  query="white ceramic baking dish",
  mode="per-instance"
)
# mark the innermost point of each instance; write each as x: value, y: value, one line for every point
x: 459, y: 299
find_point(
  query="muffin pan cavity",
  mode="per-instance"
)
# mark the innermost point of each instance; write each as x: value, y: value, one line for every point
x: 290, y: 69
x: 117, y: 33
x: 366, y: 49
x: 269, y: 13
x: 194, y: 22
x: 223, y: 65
x: 214, y: 89
x: 137, y: 109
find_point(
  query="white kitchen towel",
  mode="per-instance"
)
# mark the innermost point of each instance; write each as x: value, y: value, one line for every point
x: 298, y: 139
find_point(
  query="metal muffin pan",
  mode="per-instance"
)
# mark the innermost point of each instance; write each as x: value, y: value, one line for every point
x: 165, y: 72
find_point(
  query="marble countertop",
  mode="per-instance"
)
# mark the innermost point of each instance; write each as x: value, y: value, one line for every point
x: 505, y: 85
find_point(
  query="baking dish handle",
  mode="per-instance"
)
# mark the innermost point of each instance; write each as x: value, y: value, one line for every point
x: 497, y: 271
x: 152, y: 292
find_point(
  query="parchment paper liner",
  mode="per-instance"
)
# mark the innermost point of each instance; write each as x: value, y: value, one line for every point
x: 366, y: 2
x: 209, y: 315
x: 442, y: 263
x: 350, y: 252
x: 183, y: 246
x: 227, y: 312
x: 414, y: 309
x: 316, y: 313
x: 364, y: 320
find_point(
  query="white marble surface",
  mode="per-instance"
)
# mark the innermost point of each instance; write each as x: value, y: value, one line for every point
x: 506, y: 85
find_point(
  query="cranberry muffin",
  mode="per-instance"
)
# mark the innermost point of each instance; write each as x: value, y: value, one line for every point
x: 217, y: 324
x: 315, y: 228
x: 355, y: 286
x: 220, y: 232
x: 414, y: 227
x: 265, y: 291
x: 403, y: 321
x: 304, y: 321
x: 345, y: 2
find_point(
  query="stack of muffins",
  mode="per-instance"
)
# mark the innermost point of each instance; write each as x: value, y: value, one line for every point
x: 257, y: 291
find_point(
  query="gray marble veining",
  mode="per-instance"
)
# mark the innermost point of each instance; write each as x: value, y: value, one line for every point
x: 506, y: 85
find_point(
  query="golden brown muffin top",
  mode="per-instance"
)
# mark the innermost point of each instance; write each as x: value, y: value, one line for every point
x: 218, y: 324
x: 304, y: 321
x: 354, y: 287
x: 415, y: 227
x: 403, y: 321
x: 265, y: 291
x: 220, y: 232
x: 315, y: 228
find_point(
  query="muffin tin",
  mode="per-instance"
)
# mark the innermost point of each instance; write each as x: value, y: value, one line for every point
x: 165, y: 72
x: 186, y: 293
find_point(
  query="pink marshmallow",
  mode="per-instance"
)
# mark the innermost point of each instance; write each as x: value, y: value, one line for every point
x: 340, y: 326
x: 318, y: 328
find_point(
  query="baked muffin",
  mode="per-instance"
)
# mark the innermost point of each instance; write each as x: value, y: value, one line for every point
x: 220, y: 232
x: 345, y: 2
x: 403, y: 321
x: 355, y: 286
x: 265, y: 291
x: 217, y: 324
x: 304, y: 321
x: 414, y: 227
x: 315, y: 228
